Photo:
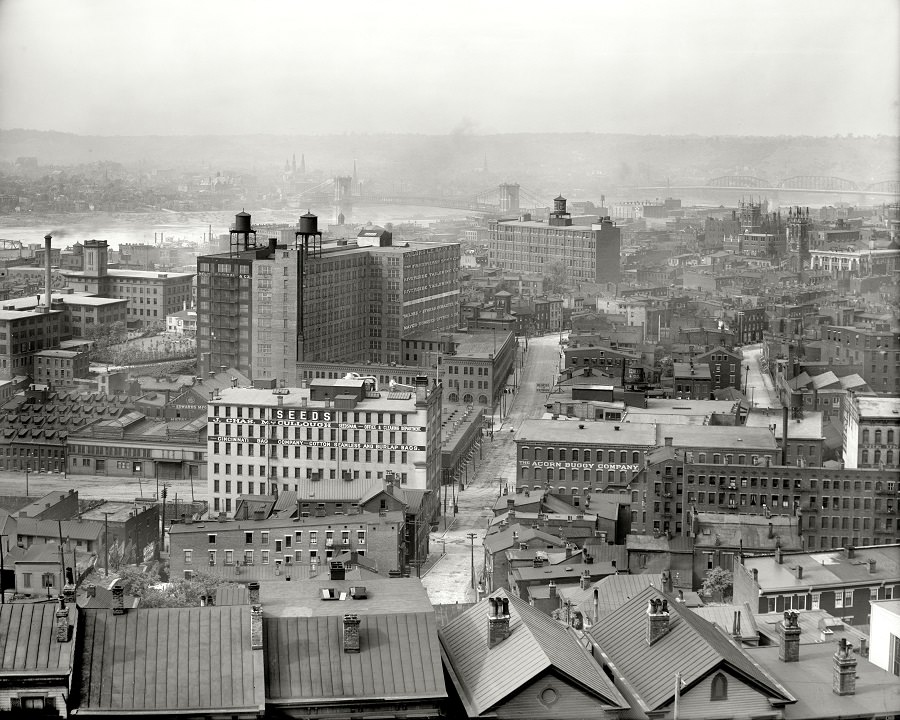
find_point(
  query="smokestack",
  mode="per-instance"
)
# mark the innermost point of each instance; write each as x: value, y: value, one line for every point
x: 47, y: 238
x: 784, y: 435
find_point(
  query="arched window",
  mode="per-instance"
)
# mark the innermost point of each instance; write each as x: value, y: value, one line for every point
x: 623, y: 457
x: 562, y: 474
x: 587, y: 455
x: 878, y: 437
x: 549, y: 453
x: 890, y: 437
x: 889, y: 457
x: 482, y: 400
x: 635, y: 458
x: 865, y: 435
x: 562, y: 453
x: 719, y: 689
x: 526, y: 452
x: 864, y: 457
x: 575, y: 455
x: 549, y: 474
x: 877, y: 456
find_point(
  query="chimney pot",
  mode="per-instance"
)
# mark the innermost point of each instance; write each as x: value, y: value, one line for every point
x: 498, y: 622
x: 351, y: 633
x: 657, y: 620
x: 256, y: 627
x: 789, y: 631
x: 62, y: 622
x: 871, y: 563
x: 844, y: 673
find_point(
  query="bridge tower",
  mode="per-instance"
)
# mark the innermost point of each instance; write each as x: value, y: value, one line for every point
x: 343, y: 199
x: 509, y: 198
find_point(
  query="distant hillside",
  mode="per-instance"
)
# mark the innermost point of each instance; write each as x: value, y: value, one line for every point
x: 540, y: 162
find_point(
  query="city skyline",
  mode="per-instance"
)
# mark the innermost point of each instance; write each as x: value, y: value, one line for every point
x: 700, y: 68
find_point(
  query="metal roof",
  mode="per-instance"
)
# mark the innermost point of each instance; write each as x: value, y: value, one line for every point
x: 399, y: 658
x: 169, y: 659
x: 28, y: 642
x: 537, y: 643
x: 693, y: 646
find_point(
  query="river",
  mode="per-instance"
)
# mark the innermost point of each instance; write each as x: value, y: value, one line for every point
x: 191, y: 227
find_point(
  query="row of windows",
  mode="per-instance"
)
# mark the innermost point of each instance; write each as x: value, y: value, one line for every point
x: 578, y: 455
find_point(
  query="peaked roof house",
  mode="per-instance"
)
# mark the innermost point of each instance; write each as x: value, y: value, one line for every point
x: 37, y: 642
x: 651, y: 639
x: 507, y: 659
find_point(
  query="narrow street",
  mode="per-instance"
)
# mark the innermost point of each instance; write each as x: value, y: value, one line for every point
x: 760, y: 389
x: 450, y: 578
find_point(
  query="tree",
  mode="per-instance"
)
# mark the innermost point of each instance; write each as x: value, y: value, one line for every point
x: 555, y: 278
x: 146, y: 585
x: 719, y: 581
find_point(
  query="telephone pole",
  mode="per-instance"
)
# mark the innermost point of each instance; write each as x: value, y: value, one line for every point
x: 472, y: 537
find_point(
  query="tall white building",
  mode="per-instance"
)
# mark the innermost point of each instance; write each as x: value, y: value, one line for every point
x: 334, y: 439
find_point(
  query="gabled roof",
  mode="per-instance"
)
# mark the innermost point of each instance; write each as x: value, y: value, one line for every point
x: 612, y: 591
x: 28, y: 644
x: 399, y: 658
x: 693, y: 646
x: 170, y: 659
x: 537, y: 643
x: 515, y: 534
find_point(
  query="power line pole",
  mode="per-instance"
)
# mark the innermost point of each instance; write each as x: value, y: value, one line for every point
x: 106, y: 541
x: 472, y: 537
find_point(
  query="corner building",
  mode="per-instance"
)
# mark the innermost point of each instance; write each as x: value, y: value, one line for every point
x: 589, y: 253
x: 263, y: 442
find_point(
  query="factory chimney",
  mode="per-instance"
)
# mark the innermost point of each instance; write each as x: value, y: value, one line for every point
x: 47, y: 274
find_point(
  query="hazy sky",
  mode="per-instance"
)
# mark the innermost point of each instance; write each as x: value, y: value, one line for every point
x: 134, y: 67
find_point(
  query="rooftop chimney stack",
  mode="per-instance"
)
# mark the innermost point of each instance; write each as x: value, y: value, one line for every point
x: 843, y: 679
x: 351, y: 633
x: 498, y: 621
x: 118, y: 600
x: 256, y: 627
x: 552, y: 587
x: 62, y: 622
x: 778, y: 558
x: 736, y: 626
x: 789, y: 630
x: 657, y: 620
x: 47, y: 272
x: 871, y: 564
x: 585, y: 580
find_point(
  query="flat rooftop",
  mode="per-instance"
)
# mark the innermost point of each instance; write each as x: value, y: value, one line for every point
x: 305, y: 598
x: 883, y: 407
x: 809, y: 427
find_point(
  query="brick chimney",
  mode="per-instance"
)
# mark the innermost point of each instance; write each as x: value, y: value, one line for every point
x: 498, y: 621
x: 351, y: 633
x: 62, y: 622
x: 253, y: 592
x: 871, y: 564
x: 91, y: 590
x: 843, y: 679
x: 736, y: 627
x: 789, y: 631
x: 778, y: 557
x: 552, y: 587
x: 256, y: 627
x: 118, y: 600
x: 657, y: 620
x: 510, y: 504
x: 585, y: 581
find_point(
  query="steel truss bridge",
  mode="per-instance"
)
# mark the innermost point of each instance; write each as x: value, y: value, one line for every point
x: 800, y: 183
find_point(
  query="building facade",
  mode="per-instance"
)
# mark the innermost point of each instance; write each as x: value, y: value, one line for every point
x: 263, y: 442
x: 263, y: 309
x: 586, y: 253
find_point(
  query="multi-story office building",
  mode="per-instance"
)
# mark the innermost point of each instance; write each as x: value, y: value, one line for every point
x: 60, y: 368
x: 829, y: 507
x: 264, y: 308
x: 151, y: 295
x: 336, y: 432
x: 587, y: 253
x: 871, y: 432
